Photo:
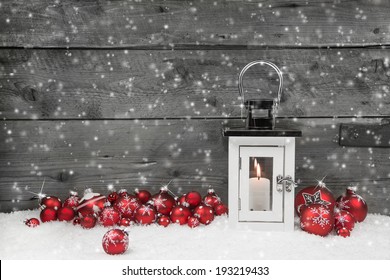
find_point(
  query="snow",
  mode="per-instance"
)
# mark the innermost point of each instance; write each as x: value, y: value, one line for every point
x: 61, y: 240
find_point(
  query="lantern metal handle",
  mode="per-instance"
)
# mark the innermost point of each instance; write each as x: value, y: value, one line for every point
x: 261, y: 62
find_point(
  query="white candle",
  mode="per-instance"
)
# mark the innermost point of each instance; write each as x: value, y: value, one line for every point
x: 259, y: 192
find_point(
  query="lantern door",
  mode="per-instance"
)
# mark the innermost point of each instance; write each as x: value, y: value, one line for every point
x: 260, y: 197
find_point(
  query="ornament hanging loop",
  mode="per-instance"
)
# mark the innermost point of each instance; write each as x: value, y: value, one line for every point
x: 260, y: 112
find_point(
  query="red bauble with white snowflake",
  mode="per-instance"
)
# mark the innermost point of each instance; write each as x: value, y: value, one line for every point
x: 354, y: 204
x: 163, y: 220
x: 125, y: 222
x: 127, y: 205
x: 72, y: 201
x: 65, y: 214
x: 221, y: 209
x: 204, y: 213
x: 180, y: 214
x: 115, y: 241
x: 193, y: 222
x: 48, y: 215
x: 91, y: 203
x: 109, y: 216
x: 163, y: 202
x: 50, y: 202
x: 145, y: 215
x: 343, y: 232
x: 33, y: 222
x: 193, y: 199
x: 317, y: 219
x: 88, y: 221
x: 211, y: 198
x: 343, y: 219
x: 112, y: 197
x: 142, y: 195
x: 319, y: 194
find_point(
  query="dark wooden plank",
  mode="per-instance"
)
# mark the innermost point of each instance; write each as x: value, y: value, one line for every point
x: 180, y: 23
x: 192, y: 153
x: 99, y: 84
x: 362, y: 135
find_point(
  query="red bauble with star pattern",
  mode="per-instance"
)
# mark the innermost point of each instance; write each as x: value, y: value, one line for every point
x: 193, y: 222
x: 211, y: 198
x: 33, y: 222
x: 163, y: 220
x: 66, y: 214
x: 50, y: 202
x: 221, y: 209
x: 48, y: 215
x: 91, y: 203
x: 354, y: 204
x: 145, y: 215
x: 343, y: 232
x: 163, y: 202
x: 317, y: 219
x: 72, y: 201
x: 127, y: 205
x: 109, y: 216
x: 204, y: 213
x: 112, y: 197
x: 142, y: 195
x: 88, y: 221
x: 193, y: 199
x: 319, y: 194
x: 115, y: 241
x: 343, y: 219
x: 180, y: 214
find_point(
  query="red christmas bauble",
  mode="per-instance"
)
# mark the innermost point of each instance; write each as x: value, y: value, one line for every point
x: 48, y: 215
x: 163, y: 202
x: 163, y: 220
x: 112, y: 197
x: 204, y: 213
x: 343, y: 219
x: 65, y: 214
x: 123, y: 192
x: 115, y: 241
x: 127, y: 205
x: 354, y: 204
x: 193, y: 198
x: 50, y: 202
x: 181, y: 199
x: 88, y: 221
x: 72, y: 201
x: 109, y: 216
x: 344, y: 232
x: 317, y: 219
x: 221, y: 209
x: 319, y: 194
x: 211, y: 199
x: 143, y: 195
x: 145, y: 215
x: 193, y: 222
x: 125, y: 222
x: 91, y: 203
x: 33, y: 222
x: 180, y: 214
x: 76, y: 221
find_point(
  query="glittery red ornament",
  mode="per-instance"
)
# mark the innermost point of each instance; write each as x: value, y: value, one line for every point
x: 115, y: 241
x: 193, y: 222
x: 65, y: 214
x: 126, y: 205
x: 72, y: 201
x: 88, y: 221
x: 343, y: 219
x: 123, y: 192
x: 317, y: 219
x: 204, y: 213
x: 33, y: 222
x: 163, y: 202
x: 319, y: 194
x: 76, y: 221
x: 211, y: 199
x: 344, y: 232
x: 125, y: 222
x: 354, y: 204
x: 180, y: 214
x: 181, y: 199
x: 109, y: 216
x: 50, y: 202
x: 91, y: 203
x: 48, y: 215
x: 112, y: 197
x: 145, y: 215
x: 163, y: 220
x: 143, y: 195
x: 221, y: 209
x: 193, y: 198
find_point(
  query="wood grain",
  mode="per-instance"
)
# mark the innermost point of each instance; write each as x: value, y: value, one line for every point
x: 363, y: 135
x: 115, y: 84
x: 182, y: 24
x: 148, y: 153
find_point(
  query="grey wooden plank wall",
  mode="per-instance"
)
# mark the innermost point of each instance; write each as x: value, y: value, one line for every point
x: 135, y: 94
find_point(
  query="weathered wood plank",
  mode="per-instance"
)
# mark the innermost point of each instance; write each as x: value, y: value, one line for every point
x: 99, y: 84
x: 362, y: 135
x: 192, y: 23
x: 146, y: 154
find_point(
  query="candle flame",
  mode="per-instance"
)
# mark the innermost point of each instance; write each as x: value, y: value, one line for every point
x: 255, y: 163
x: 258, y: 171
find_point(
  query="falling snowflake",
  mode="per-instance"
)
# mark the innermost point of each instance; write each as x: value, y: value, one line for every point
x: 320, y: 219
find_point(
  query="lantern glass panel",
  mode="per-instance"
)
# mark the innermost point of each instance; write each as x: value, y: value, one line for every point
x: 260, y: 183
